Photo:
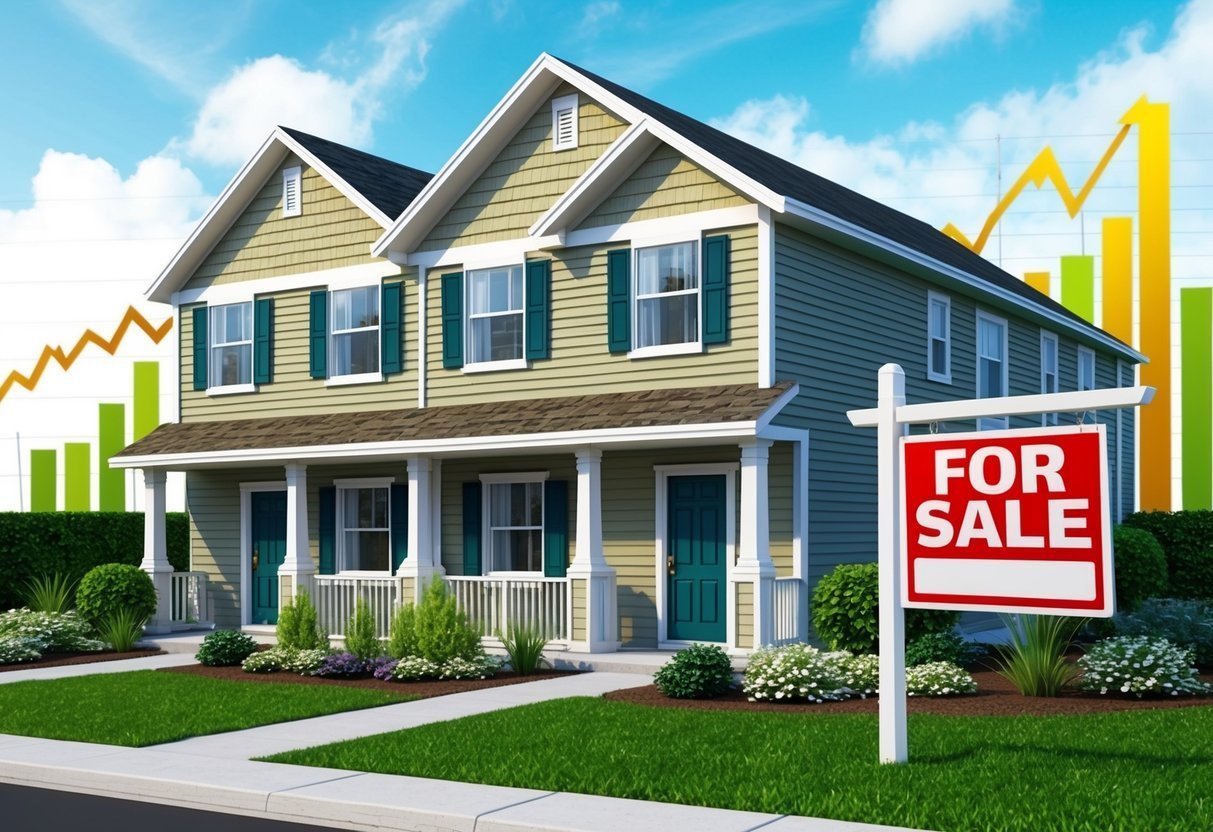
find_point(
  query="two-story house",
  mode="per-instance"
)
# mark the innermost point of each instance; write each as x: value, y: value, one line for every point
x: 594, y: 372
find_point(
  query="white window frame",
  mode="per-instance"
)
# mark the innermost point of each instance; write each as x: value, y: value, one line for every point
x: 565, y: 102
x: 335, y: 380
x: 945, y: 377
x: 992, y: 422
x: 292, y: 176
x: 212, y: 388
x: 1047, y: 419
x: 470, y: 366
x: 682, y: 348
x: 486, y: 535
x: 1084, y: 352
x: 339, y: 554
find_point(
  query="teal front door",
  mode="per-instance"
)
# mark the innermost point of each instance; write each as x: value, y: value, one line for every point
x: 696, y: 558
x: 268, y: 545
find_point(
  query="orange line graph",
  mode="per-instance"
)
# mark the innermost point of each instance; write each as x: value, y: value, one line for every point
x: 133, y: 317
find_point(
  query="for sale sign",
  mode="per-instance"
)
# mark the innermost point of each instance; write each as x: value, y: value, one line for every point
x: 1012, y: 520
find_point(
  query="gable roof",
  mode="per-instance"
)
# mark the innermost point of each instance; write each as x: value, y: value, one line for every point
x: 379, y: 187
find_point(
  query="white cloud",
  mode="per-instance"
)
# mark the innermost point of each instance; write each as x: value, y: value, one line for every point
x: 899, y: 32
x: 595, y: 13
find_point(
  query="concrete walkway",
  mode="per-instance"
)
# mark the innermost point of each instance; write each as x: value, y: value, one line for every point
x: 96, y: 668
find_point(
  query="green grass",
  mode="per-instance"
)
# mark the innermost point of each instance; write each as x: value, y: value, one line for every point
x: 146, y: 707
x: 1127, y: 770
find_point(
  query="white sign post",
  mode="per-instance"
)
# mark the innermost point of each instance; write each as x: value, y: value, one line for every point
x: 892, y: 418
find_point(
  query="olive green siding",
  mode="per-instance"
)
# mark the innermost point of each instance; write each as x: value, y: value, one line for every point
x: 665, y: 184
x: 578, y: 589
x: 330, y: 232
x: 525, y: 179
x: 745, y: 616
x: 580, y: 363
x: 293, y: 391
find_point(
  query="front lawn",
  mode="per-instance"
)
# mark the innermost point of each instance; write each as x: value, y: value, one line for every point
x: 1127, y: 770
x: 146, y: 707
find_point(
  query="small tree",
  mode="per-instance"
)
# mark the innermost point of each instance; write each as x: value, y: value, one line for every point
x: 402, y: 637
x: 360, y: 636
x: 442, y: 630
x: 298, y: 626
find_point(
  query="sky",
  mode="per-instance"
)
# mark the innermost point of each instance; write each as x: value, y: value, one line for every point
x: 125, y: 118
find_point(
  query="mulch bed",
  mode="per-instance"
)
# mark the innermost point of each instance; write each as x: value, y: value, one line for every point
x: 424, y: 690
x: 995, y: 697
x: 61, y: 659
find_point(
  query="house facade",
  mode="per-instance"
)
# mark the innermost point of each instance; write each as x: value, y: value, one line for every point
x: 594, y: 372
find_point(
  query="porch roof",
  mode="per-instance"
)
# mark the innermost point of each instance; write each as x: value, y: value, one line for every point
x: 683, y: 413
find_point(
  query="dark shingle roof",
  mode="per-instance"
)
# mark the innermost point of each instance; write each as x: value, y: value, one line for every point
x: 640, y: 408
x: 790, y: 180
x: 388, y: 185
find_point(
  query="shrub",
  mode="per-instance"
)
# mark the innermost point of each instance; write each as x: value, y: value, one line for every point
x: 342, y: 665
x: 385, y: 668
x: 50, y: 632
x: 700, y: 671
x: 15, y: 649
x: 478, y: 667
x: 938, y: 679
x: 800, y: 672
x: 442, y: 630
x: 402, y: 632
x: 1187, y: 542
x: 942, y: 647
x: 1034, y: 661
x: 1141, y: 567
x: 861, y: 674
x: 414, y: 668
x: 112, y: 587
x: 71, y: 543
x: 1186, y: 622
x: 305, y: 662
x: 225, y: 648
x: 524, y: 645
x: 266, y: 661
x: 121, y: 629
x: 50, y: 593
x: 846, y: 614
x: 1140, y: 665
x: 298, y: 627
x: 360, y: 636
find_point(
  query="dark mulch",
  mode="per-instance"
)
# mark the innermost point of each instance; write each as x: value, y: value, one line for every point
x: 995, y: 697
x: 424, y: 690
x: 60, y: 659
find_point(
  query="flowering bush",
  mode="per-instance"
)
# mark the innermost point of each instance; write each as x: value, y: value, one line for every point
x: 385, y: 668
x: 412, y: 668
x: 45, y: 632
x: 289, y: 659
x: 15, y: 649
x: 305, y: 662
x: 701, y: 671
x: 1182, y: 621
x: 797, y: 672
x: 479, y: 667
x: 861, y: 674
x: 938, y: 679
x: 341, y: 665
x: 1140, y: 665
x: 265, y: 661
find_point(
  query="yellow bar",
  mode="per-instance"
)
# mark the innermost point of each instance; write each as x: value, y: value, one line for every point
x: 1118, y: 277
x: 1038, y: 281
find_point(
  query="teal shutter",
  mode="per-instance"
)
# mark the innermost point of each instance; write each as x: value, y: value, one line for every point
x: 619, y: 300
x: 398, y: 523
x: 538, y: 308
x: 452, y: 321
x: 328, y: 530
x: 263, y: 340
x: 471, y: 528
x: 715, y: 291
x: 318, y: 334
x: 555, y: 528
x: 391, y: 326
x: 200, y: 350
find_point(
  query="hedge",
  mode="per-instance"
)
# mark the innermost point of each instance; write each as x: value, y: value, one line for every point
x: 1187, y: 542
x: 41, y: 543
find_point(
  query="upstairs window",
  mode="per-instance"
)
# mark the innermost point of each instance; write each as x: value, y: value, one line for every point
x: 514, y: 520
x: 1049, y: 376
x: 939, y: 337
x: 1086, y: 369
x: 991, y: 365
x: 564, y: 122
x: 364, y: 534
x: 231, y: 347
x: 354, y: 339
x: 667, y: 296
x: 292, y: 192
x: 495, y: 315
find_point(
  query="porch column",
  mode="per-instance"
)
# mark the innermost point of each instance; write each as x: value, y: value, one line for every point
x: 591, y: 581
x: 754, y: 573
x: 295, y: 573
x: 155, y: 551
x: 420, y: 565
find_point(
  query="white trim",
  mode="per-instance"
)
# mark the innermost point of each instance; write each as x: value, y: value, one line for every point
x: 934, y: 297
x: 356, y: 378
x: 494, y: 366
x: 246, y: 549
x: 231, y: 389
x: 343, y: 277
x: 767, y: 345
x: 662, y: 473
x: 565, y: 102
x: 988, y: 317
x: 1085, y: 351
x: 292, y: 175
x: 658, y: 350
x: 1047, y: 419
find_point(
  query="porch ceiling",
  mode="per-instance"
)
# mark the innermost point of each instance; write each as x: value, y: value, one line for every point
x: 724, y: 410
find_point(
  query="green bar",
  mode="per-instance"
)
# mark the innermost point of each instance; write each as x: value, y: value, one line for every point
x: 1196, y: 368
x: 76, y: 485
x: 42, y: 481
x: 111, y: 438
x: 146, y: 415
x: 1078, y: 285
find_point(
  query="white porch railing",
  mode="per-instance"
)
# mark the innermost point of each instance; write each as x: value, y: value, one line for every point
x: 336, y: 597
x: 789, y: 595
x: 496, y: 604
x: 190, y: 598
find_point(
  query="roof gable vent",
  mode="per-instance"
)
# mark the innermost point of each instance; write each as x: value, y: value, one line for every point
x: 292, y: 192
x: 564, y: 122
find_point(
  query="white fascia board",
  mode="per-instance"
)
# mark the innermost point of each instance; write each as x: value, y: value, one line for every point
x: 341, y: 277
x: 799, y: 209
x: 1105, y: 398
x: 471, y: 444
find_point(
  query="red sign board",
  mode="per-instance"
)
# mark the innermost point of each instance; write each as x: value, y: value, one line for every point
x: 1010, y: 521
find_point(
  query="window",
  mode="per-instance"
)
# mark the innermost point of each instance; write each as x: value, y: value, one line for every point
x: 363, y: 532
x: 939, y: 338
x: 231, y: 359
x: 292, y: 192
x: 495, y: 316
x: 355, y: 331
x: 564, y: 122
x: 991, y: 365
x: 1086, y: 369
x: 514, y: 521
x: 1048, y: 372
x: 667, y: 296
